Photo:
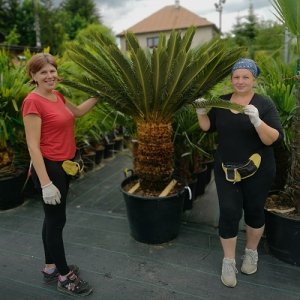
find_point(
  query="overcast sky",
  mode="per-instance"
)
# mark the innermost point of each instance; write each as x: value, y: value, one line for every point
x: 122, y: 14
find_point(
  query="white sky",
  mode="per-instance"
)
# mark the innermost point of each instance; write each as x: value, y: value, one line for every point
x: 122, y: 14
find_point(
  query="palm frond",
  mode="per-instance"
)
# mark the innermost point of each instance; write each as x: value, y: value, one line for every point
x: 288, y: 12
x: 150, y: 86
x: 218, y: 103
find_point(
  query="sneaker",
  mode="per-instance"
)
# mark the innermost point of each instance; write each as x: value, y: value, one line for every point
x: 48, y: 278
x: 75, y: 286
x: 229, y: 272
x: 250, y: 259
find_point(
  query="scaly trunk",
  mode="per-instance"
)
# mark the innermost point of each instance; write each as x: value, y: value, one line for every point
x: 293, y: 186
x: 154, y: 158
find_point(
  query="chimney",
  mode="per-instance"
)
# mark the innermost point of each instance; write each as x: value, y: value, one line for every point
x: 177, y: 3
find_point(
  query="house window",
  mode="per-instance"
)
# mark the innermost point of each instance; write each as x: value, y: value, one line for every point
x: 152, y: 42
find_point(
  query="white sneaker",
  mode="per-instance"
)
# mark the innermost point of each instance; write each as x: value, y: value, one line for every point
x: 229, y: 272
x: 250, y: 259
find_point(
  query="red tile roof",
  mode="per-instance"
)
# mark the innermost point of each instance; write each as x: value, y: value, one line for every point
x: 168, y: 18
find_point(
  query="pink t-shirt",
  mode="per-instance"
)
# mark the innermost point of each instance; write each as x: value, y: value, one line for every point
x: 57, y: 131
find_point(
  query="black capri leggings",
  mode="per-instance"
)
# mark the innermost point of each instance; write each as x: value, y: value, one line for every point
x: 55, y: 217
x: 248, y: 195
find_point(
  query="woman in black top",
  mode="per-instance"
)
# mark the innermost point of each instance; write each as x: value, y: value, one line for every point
x: 239, y: 137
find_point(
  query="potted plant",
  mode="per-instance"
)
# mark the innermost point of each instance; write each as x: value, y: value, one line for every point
x: 150, y: 86
x: 283, y: 230
x: 14, y: 157
x: 278, y: 83
x: 190, y: 153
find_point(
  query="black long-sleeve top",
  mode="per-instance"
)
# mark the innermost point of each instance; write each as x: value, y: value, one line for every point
x: 237, y: 137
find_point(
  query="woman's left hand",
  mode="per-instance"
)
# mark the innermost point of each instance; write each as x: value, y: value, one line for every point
x: 253, y: 114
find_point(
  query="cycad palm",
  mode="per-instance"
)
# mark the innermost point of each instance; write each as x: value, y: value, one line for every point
x: 151, y: 87
x: 289, y: 13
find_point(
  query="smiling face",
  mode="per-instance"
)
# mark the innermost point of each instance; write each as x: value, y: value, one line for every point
x: 242, y: 81
x: 46, y: 78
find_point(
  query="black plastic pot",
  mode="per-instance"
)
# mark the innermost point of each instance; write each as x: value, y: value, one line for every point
x: 283, y: 237
x: 108, y: 151
x: 210, y: 167
x: 11, y: 190
x: 153, y: 220
x: 189, y: 199
x: 201, y: 181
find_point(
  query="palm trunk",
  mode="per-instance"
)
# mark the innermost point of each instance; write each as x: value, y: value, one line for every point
x: 154, y: 159
x: 293, y: 186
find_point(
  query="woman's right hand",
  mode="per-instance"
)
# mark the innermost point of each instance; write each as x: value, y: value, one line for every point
x: 51, y: 194
x: 201, y: 111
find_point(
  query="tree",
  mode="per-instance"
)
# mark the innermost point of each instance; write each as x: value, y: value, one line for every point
x: 77, y: 14
x: 13, y: 37
x: 265, y: 29
x: 246, y: 32
x: 289, y: 14
x: 25, y: 24
x: 150, y: 87
x: 53, y: 33
x: 9, y: 10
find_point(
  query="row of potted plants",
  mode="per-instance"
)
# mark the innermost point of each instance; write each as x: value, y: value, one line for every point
x: 14, y: 156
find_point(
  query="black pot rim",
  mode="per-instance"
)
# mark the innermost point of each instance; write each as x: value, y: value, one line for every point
x: 134, y: 177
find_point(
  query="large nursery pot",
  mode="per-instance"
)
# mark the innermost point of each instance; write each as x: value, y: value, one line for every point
x: 153, y: 220
x: 11, y: 190
x: 283, y: 237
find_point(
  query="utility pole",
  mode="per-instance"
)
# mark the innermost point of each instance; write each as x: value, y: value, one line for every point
x: 219, y: 9
x: 37, y: 24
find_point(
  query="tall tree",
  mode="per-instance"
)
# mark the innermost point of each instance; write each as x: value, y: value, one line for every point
x: 25, y: 24
x: 8, y: 12
x: 53, y: 33
x: 78, y: 14
x: 265, y: 29
x: 245, y: 32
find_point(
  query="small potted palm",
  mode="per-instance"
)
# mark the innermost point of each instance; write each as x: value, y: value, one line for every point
x: 150, y: 86
x: 190, y: 152
x: 14, y: 157
x: 278, y: 83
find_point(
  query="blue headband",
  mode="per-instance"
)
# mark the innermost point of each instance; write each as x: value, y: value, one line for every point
x: 246, y: 63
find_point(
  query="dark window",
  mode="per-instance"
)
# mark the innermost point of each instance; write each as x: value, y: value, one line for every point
x: 152, y: 42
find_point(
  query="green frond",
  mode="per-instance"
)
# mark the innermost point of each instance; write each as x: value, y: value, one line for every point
x: 132, y: 42
x: 218, y: 103
x: 142, y: 69
x: 174, y: 85
x: 159, y: 73
x: 151, y: 85
x: 289, y: 14
x: 187, y: 39
x: 172, y: 50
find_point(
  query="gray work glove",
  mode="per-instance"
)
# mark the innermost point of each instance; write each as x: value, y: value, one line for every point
x: 200, y: 111
x: 253, y: 114
x: 51, y: 194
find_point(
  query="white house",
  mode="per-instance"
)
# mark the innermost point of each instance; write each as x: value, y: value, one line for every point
x: 171, y: 17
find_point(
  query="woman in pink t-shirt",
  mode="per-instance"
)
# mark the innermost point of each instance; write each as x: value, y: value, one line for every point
x: 49, y: 127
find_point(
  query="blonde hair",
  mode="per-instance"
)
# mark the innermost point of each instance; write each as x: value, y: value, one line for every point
x: 37, y: 62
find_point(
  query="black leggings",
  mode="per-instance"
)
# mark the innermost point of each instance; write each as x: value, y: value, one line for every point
x: 55, y: 217
x: 248, y: 195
